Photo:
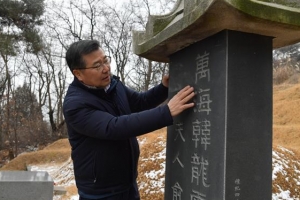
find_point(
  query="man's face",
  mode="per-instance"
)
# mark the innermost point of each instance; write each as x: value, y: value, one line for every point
x: 96, y: 72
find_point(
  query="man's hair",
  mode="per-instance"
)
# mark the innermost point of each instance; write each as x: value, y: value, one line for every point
x: 77, y: 50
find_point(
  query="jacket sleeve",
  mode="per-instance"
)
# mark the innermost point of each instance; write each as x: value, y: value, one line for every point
x: 100, y: 124
x: 146, y: 100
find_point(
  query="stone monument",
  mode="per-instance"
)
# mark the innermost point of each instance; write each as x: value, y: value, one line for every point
x: 221, y: 149
x: 29, y: 185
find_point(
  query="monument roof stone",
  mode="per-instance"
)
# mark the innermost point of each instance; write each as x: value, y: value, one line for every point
x: 192, y: 21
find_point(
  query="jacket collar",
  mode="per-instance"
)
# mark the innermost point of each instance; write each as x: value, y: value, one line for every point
x: 111, y: 87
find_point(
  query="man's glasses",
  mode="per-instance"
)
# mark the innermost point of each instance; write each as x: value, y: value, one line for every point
x: 100, y: 66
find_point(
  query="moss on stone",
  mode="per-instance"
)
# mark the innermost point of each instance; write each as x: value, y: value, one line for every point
x: 168, y: 33
x: 289, y: 3
x: 265, y: 10
x: 161, y: 23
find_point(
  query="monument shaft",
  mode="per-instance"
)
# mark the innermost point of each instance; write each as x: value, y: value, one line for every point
x: 222, y: 149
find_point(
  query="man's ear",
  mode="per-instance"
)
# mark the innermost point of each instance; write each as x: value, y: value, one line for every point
x: 78, y: 74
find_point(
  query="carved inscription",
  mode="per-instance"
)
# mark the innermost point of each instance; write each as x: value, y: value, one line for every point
x: 201, y: 127
x: 200, y: 135
x: 202, y: 67
x: 179, y: 131
x: 203, y: 101
x: 177, y: 191
x: 237, y: 189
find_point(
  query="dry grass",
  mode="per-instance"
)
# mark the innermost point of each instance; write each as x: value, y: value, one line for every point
x: 286, y: 133
x: 57, y: 152
x: 285, y: 74
x: 71, y: 191
x: 289, y: 179
x: 286, y: 116
x: 152, y: 145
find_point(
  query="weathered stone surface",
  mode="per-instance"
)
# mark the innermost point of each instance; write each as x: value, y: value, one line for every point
x: 222, y: 148
x: 20, y: 185
x: 192, y: 21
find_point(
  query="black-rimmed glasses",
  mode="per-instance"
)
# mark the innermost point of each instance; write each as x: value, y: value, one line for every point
x: 99, y: 66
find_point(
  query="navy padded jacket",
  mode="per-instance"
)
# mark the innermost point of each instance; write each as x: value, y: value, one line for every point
x: 102, y: 129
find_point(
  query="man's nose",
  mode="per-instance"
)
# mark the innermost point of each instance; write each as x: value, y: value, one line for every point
x: 106, y: 68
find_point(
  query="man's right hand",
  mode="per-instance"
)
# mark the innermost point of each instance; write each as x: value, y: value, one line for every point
x: 179, y: 102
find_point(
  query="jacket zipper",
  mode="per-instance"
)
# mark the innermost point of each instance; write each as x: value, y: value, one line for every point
x: 95, y: 168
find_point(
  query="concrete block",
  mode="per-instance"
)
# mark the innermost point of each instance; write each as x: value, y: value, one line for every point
x: 29, y: 185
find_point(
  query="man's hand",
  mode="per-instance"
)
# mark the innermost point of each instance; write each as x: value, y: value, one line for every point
x: 165, y: 80
x: 179, y: 102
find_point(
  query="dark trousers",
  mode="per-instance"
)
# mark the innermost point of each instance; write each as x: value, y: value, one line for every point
x: 132, y: 194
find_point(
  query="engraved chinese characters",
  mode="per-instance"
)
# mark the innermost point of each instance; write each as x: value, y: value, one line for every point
x: 191, y: 133
x: 222, y: 148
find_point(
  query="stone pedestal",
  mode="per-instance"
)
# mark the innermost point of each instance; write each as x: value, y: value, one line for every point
x: 24, y: 185
x: 222, y: 149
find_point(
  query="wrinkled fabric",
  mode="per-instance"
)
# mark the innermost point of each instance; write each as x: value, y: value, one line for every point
x: 102, y: 129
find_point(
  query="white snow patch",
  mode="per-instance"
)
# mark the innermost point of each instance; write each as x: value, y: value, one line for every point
x: 63, y: 175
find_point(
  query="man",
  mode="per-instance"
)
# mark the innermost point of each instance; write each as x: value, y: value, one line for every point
x: 103, y: 118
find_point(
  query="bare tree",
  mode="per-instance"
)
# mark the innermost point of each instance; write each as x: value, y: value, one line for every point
x: 6, y: 88
x: 71, y: 21
x: 93, y: 19
x: 116, y: 36
x: 26, y: 126
x: 18, y: 32
x: 147, y: 73
x: 48, y: 80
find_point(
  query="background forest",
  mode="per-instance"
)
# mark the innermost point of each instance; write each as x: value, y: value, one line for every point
x: 34, y: 35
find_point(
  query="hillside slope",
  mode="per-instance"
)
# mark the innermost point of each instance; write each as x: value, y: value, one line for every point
x: 286, y: 116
